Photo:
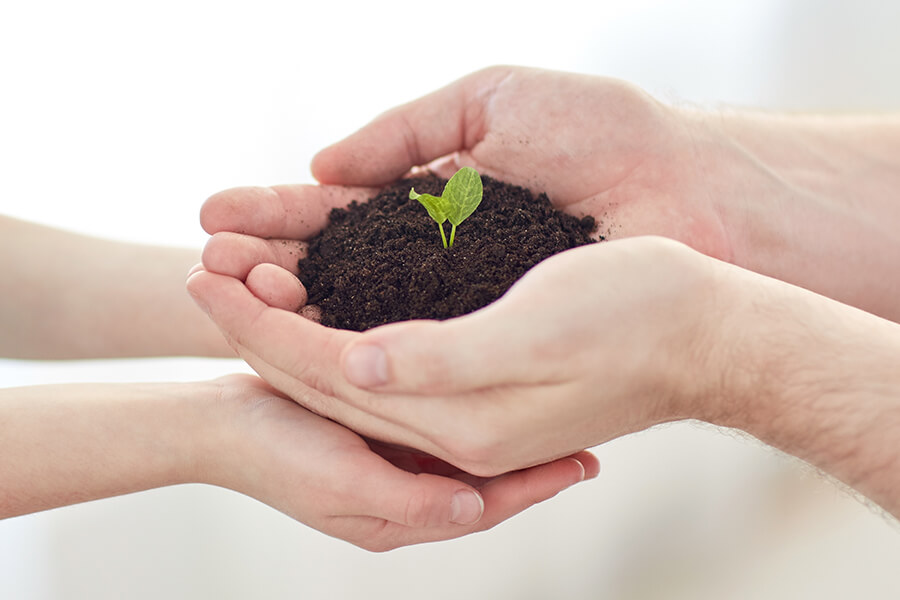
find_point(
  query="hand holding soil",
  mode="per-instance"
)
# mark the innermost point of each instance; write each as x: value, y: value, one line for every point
x: 610, y: 338
x: 582, y: 349
x: 627, y: 334
x: 662, y: 333
x: 760, y: 190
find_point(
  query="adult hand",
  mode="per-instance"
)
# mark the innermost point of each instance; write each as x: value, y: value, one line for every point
x: 589, y: 345
x: 624, y: 335
x: 807, y: 199
x: 803, y: 198
x: 596, y: 146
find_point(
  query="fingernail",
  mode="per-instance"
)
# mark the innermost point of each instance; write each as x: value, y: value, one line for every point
x: 198, y: 300
x: 583, y: 470
x: 194, y: 269
x: 366, y: 366
x: 466, y: 507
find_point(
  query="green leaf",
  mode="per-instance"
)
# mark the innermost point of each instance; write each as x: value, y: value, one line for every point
x: 462, y: 195
x: 435, y: 205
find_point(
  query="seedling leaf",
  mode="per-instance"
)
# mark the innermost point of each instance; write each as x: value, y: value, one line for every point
x: 461, y: 197
x: 435, y: 205
x: 464, y: 192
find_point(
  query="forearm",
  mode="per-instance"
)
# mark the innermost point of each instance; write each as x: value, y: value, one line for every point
x: 819, y: 380
x: 64, y: 444
x: 816, y: 201
x: 64, y: 295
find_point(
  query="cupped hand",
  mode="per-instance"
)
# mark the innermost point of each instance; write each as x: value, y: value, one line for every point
x: 591, y: 344
x: 375, y: 496
x: 596, y: 146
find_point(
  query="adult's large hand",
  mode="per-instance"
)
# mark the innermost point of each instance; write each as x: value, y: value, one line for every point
x: 596, y: 146
x: 589, y: 345
x: 809, y: 200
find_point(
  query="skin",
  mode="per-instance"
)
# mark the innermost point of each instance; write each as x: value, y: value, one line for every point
x: 64, y: 444
x: 622, y: 335
x: 713, y: 181
x: 129, y: 299
x: 664, y: 334
x: 722, y: 296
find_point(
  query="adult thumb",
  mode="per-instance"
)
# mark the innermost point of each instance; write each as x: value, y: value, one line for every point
x: 467, y: 353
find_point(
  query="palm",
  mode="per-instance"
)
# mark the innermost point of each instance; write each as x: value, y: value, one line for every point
x: 296, y: 434
x: 372, y: 494
x: 599, y: 147
x: 595, y: 146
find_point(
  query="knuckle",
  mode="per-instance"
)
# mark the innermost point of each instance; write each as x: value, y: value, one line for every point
x: 419, y: 512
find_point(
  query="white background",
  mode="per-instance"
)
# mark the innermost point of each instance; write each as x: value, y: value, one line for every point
x: 119, y: 119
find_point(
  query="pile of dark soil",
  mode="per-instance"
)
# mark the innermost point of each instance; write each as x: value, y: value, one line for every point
x: 383, y: 261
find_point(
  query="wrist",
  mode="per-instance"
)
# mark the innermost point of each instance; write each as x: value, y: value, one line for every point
x: 809, y: 199
x: 227, y: 449
x: 184, y: 424
x: 818, y: 380
x: 209, y: 427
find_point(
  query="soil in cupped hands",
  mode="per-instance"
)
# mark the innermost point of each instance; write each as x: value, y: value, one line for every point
x: 383, y: 261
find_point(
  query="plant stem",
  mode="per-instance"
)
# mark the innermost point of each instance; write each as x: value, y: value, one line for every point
x: 443, y: 236
x: 452, y: 235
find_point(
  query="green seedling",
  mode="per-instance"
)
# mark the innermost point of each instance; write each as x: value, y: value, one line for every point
x: 461, y: 197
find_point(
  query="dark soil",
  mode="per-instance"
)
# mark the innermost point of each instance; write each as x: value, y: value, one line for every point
x: 383, y: 261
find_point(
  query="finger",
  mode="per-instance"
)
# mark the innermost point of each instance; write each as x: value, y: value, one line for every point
x: 295, y: 355
x: 589, y: 462
x: 415, y: 500
x: 504, y: 497
x: 276, y: 287
x: 284, y: 340
x: 512, y: 493
x: 235, y: 254
x: 321, y: 401
x: 445, y: 121
x: 282, y: 211
x: 467, y: 353
x: 532, y: 485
